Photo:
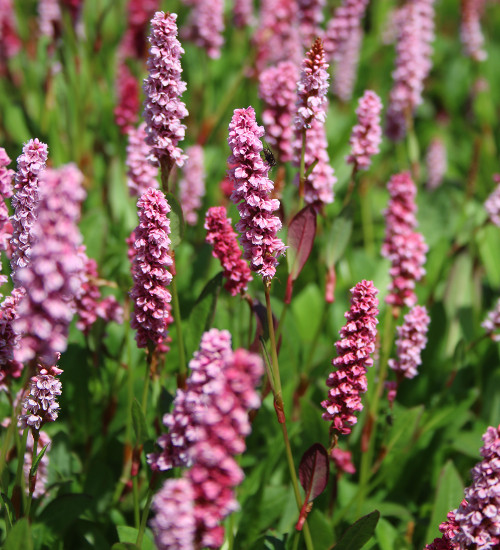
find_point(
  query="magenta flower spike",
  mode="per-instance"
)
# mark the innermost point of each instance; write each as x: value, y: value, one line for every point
x: 348, y: 382
x: 258, y: 226
x: 412, y: 339
x: 150, y: 270
x: 163, y: 109
x: 141, y: 172
x: 9, y: 339
x: 310, y: 16
x: 192, y: 185
x: 346, y: 68
x: 449, y: 529
x: 367, y: 134
x: 53, y: 278
x: 404, y: 247
x: 6, y: 176
x: 492, y: 204
x: 205, y: 25
x: 49, y: 18
x: 128, y: 102
x: 492, y: 323
x: 221, y: 236
x: 471, y: 34
x: 29, y: 168
x: 435, y: 161
x: 413, y: 64
x: 243, y: 15
x: 277, y: 87
x: 139, y: 14
x: 10, y: 43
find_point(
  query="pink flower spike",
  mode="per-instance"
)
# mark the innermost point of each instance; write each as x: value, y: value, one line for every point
x: 435, y: 161
x: 150, y: 269
x: 221, y: 236
x: 471, y: 34
x: 6, y: 176
x: 492, y: 204
x: 310, y: 16
x: 9, y: 339
x: 258, y: 227
x: 492, y: 323
x: 128, y: 101
x: 192, y: 185
x: 141, y: 172
x: 346, y: 68
x: 410, y: 342
x: 354, y: 350
x: 10, y: 43
x: 205, y: 25
x: 367, y: 134
x: 163, y: 109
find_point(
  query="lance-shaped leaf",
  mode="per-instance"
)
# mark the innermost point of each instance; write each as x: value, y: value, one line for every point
x: 301, y: 233
x: 313, y: 476
x: 339, y: 236
x: 176, y: 218
x: 359, y: 533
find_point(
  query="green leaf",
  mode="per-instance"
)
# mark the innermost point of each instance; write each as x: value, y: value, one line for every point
x: 449, y: 494
x: 34, y: 466
x: 124, y: 546
x: 128, y: 536
x: 19, y: 537
x: 359, y: 533
x: 177, y: 225
x: 339, y: 236
x: 11, y: 515
x: 202, y: 314
x: 139, y: 422
x: 62, y: 512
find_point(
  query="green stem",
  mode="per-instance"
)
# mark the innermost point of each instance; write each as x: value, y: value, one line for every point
x: 135, y: 491
x: 32, y: 478
x: 302, y: 172
x: 178, y: 326
x: 147, y: 378
x: 281, y: 321
x: 352, y: 184
x: 144, y: 519
x: 366, y: 219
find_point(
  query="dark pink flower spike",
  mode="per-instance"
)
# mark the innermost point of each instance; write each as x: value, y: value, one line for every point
x: 10, y: 43
x: 435, y: 161
x: 192, y: 185
x: 9, y: 339
x: 367, y: 134
x: 6, y: 177
x: 140, y: 12
x: 128, y: 101
x: 163, y: 109
x: 310, y: 16
x: 141, y: 172
x: 150, y: 269
x: 258, y: 226
x: 471, y: 34
x: 346, y: 68
x: 221, y: 236
x: 449, y: 528
x: 348, y: 382
x: 205, y: 25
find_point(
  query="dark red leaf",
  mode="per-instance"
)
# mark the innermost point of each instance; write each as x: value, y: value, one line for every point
x: 314, y: 471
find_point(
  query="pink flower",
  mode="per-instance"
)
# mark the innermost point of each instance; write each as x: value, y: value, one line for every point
x: 492, y: 323
x: 41, y: 406
x: 410, y: 343
x: 492, y: 204
x: 10, y: 43
x: 6, y: 176
x: 310, y: 16
x: 221, y: 236
x: 478, y: 516
x: 9, y: 339
x: 150, y: 269
x: 449, y: 529
x: 49, y: 18
x: 471, y: 34
x: 346, y: 68
x: 128, y: 102
x: 163, y: 109
x: 192, y: 185
x: 139, y: 14
x: 29, y: 167
x: 435, y: 161
x: 277, y: 87
x: 343, y: 461
x: 367, y: 134
x: 413, y: 64
x: 53, y: 278
x: 141, y: 173
x: 205, y: 25
x: 252, y: 188
x: 354, y: 350
x: 312, y: 88
x: 243, y: 13
x: 404, y: 247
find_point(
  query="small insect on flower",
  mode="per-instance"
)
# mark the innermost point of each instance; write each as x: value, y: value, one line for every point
x: 269, y: 156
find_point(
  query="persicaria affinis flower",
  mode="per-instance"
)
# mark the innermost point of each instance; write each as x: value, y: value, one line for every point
x: 9, y: 42
x: 277, y: 87
x: 346, y: 68
x: 492, y: 323
x: 357, y: 343
x: 312, y: 88
x: 141, y: 172
x: 128, y: 102
x: 449, y: 529
x: 163, y: 109
x: 492, y: 204
x: 310, y: 16
x: 470, y: 29
x: 412, y: 339
x: 367, y: 134
x: 53, y: 278
x: 205, y: 25
x: 6, y: 176
x: 150, y: 269
x: 435, y: 161
x: 9, y: 339
x: 192, y: 185
x: 139, y: 14
x: 221, y: 236
x: 258, y: 226
x: 49, y: 18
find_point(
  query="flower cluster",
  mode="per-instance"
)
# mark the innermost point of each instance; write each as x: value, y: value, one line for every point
x: 150, y: 269
x: 367, y: 134
x: 342, y: 460
x: 41, y: 406
x: 449, y: 528
x: 205, y: 25
x: 346, y: 68
x: 29, y: 167
x: 49, y: 18
x: 404, y: 247
x: 9, y: 339
x: 221, y: 236
x: 53, y: 278
x: 207, y: 428
x: 310, y: 16
x: 127, y: 107
x: 192, y: 185
x: 141, y: 173
x: 470, y: 29
x: 413, y: 64
x: 6, y: 176
x: 277, y: 89
x: 410, y: 343
x: 492, y: 323
x: 258, y: 226
x: 9, y: 42
x: 134, y: 41
x: 435, y: 161
x: 163, y: 110
x: 243, y: 13
x: 312, y: 88
x: 354, y: 350
x: 492, y: 204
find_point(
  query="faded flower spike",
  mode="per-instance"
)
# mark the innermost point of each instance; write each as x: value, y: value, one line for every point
x: 141, y: 172
x: 150, y: 269
x: 354, y: 350
x: 251, y: 193
x: 192, y: 185
x: 163, y: 109
x: 221, y: 236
